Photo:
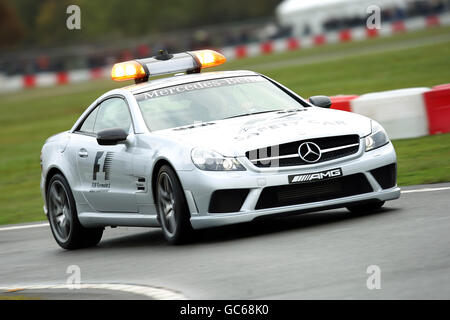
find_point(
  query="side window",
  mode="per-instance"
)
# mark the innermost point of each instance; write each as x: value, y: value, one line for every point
x: 89, y: 122
x: 113, y: 113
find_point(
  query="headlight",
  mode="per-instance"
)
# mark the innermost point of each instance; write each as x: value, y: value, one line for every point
x: 213, y: 161
x: 377, y: 138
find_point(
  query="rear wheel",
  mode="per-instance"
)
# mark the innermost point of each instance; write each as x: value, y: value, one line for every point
x: 172, y: 207
x: 366, y: 208
x: 63, y: 218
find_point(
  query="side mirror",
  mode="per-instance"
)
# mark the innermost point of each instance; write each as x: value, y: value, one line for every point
x: 109, y: 137
x: 320, y: 101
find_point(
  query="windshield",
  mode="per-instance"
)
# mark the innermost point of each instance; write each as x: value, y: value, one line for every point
x: 211, y: 100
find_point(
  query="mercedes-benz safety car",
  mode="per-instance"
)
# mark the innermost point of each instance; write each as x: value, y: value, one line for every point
x: 198, y: 150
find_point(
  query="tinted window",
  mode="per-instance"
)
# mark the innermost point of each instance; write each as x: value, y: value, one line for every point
x: 113, y: 113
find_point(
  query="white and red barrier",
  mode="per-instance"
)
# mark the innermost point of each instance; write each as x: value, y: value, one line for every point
x: 354, y: 34
x: 404, y: 113
x: 401, y: 112
x: 49, y: 79
x: 437, y: 102
x: 342, y: 102
x: 16, y: 83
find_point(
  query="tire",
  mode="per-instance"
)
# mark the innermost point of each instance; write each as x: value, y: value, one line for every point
x: 173, y: 211
x: 366, y: 208
x: 63, y: 217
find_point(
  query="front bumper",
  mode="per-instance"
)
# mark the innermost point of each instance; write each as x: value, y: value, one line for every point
x: 199, y: 186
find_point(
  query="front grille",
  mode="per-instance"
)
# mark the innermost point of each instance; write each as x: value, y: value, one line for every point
x: 386, y: 176
x: 228, y: 200
x: 286, y: 154
x: 292, y: 194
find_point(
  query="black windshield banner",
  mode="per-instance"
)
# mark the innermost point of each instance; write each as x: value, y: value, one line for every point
x: 207, y: 84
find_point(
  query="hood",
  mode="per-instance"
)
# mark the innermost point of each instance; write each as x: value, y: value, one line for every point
x: 234, y: 137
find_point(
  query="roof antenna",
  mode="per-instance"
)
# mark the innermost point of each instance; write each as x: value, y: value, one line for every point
x: 164, y: 55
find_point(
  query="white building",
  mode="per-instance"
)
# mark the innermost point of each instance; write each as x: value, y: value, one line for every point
x: 305, y: 16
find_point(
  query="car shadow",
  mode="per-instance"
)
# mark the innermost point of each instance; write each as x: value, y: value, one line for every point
x: 293, y: 221
x: 153, y: 237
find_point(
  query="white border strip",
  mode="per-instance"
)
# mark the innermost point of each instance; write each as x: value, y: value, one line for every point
x: 25, y: 226
x: 146, y: 291
x: 425, y: 190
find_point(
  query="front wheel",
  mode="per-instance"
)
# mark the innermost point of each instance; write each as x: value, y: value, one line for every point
x: 63, y: 218
x: 172, y: 207
x: 366, y: 208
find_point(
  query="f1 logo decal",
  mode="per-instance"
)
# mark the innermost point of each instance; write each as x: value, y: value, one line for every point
x: 106, y: 164
x: 96, y: 164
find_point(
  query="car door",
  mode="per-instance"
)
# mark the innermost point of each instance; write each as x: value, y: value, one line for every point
x: 106, y: 172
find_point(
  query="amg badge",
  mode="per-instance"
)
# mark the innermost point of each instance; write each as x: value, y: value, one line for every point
x: 324, y: 175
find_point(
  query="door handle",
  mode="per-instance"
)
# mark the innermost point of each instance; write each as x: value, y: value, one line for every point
x: 83, y: 153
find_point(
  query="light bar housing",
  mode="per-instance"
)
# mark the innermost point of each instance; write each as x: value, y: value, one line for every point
x: 127, y: 71
x: 164, y: 63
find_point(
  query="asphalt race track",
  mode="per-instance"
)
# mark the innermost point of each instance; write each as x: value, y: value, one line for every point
x: 316, y: 255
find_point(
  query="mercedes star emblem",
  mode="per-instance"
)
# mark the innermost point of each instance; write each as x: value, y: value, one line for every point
x: 309, y: 152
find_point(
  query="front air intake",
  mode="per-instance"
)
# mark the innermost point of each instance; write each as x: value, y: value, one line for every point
x: 292, y: 194
x: 386, y: 176
x: 229, y: 200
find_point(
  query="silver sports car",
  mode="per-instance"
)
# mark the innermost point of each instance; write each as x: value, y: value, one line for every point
x: 198, y: 150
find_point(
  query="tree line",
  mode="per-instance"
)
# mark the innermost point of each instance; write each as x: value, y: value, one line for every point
x: 43, y: 22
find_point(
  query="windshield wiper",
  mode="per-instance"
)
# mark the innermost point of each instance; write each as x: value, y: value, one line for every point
x: 251, y: 113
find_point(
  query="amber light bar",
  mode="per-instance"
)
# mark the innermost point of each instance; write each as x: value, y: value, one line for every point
x: 164, y: 63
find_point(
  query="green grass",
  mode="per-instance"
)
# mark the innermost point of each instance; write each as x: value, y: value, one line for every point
x: 28, y: 118
x: 423, y: 160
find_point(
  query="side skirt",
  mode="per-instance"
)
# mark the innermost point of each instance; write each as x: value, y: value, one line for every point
x: 95, y: 220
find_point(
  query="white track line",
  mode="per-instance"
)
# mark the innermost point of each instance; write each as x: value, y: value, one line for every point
x: 147, y: 291
x: 46, y: 223
x: 28, y: 226
x: 426, y: 190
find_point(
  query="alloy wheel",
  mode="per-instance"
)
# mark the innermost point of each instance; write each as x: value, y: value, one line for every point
x: 59, y: 211
x: 167, y: 203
